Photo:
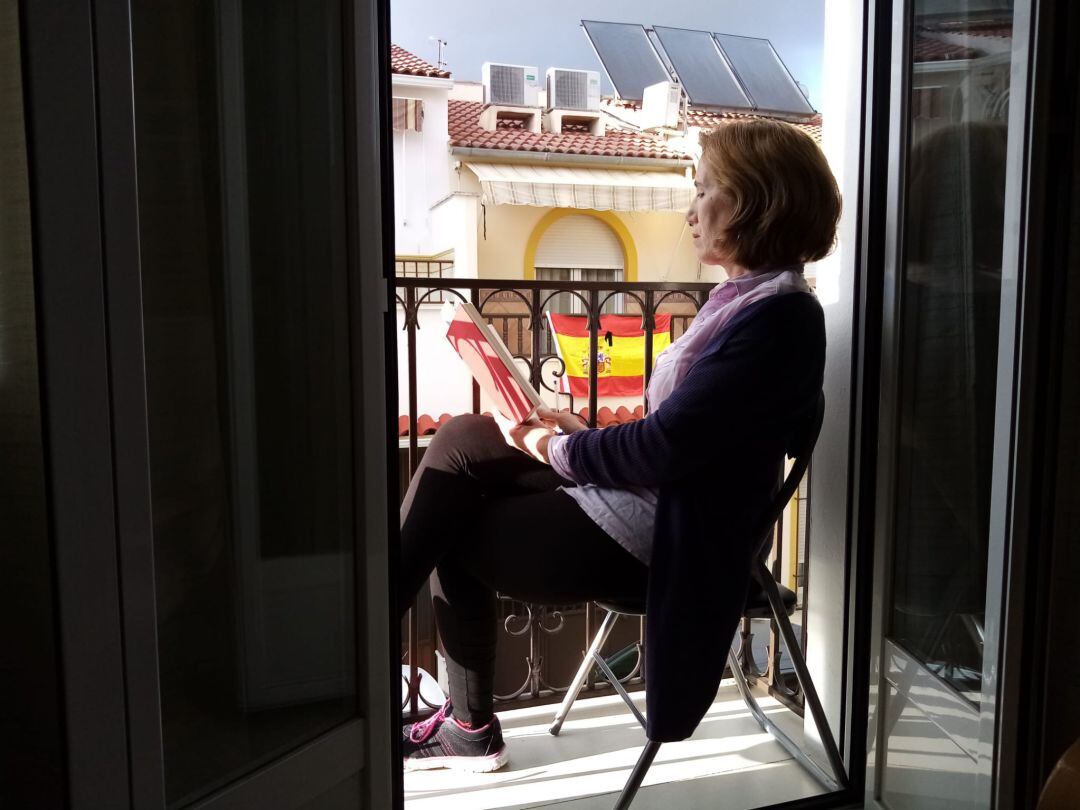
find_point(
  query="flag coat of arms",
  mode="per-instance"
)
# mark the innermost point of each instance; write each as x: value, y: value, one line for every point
x: 620, y: 352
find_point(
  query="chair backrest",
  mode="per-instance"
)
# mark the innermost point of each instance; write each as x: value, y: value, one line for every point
x: 800, y: 447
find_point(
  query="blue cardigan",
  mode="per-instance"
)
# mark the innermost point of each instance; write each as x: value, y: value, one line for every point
x: 714, y: 449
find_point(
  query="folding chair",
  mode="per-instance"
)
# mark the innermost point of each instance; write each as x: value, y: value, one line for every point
x: 766, y: 600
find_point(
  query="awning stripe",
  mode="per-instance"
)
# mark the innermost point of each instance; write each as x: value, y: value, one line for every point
x: 599, y: 189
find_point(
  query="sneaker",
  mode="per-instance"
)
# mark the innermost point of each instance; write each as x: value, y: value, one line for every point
x: 442, y: 742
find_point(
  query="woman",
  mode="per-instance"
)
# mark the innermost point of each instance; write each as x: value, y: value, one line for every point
x: 662, y: 506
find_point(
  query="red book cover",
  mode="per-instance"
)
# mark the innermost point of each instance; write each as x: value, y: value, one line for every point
x: 491, y: 364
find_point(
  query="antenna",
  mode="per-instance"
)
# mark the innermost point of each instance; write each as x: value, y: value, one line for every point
x: 439, y: 45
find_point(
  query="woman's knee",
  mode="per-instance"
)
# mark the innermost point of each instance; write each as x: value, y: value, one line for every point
x: 459, y: 439
x: 463, y: 430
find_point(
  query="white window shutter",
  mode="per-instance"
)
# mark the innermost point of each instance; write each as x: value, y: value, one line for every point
x: 579, y: 241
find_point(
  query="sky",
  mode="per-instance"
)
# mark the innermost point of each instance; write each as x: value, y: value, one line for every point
x: 547, y: 33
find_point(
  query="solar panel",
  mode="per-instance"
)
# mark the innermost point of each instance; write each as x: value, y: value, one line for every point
x: 704, y: 74
x: 627, y: 57
x: 763, y: 74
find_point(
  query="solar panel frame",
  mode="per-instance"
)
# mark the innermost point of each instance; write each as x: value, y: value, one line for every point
x: 795, y: 102
x: 627, y: 88
x: 723, y: 89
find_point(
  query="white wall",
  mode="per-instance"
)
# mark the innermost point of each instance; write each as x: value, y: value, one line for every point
x: 454, y: 226
x: 467, y: 91
x: 444, y: 384
x: 421, y: 176
x: 828, y: 552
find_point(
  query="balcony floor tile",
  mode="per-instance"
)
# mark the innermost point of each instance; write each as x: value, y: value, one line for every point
x: 588, y: 763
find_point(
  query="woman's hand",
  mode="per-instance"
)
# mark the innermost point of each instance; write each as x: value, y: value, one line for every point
x: 530, y: 437
x: 565, y: 421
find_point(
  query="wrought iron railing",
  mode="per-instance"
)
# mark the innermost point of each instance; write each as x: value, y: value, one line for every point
x: 514, y: 329
x: 423, y: 268
x: 516, y: 310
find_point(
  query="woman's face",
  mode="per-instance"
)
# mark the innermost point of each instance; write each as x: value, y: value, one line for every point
x: 708, y: 216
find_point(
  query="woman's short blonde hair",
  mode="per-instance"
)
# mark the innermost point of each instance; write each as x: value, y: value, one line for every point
x: 786, y: 203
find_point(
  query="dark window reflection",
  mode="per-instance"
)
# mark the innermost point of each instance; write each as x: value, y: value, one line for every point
x: 240, y: 138
x: 32, y: 772
x: 950, y: 293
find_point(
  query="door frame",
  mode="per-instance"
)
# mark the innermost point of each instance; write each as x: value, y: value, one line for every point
x: 78, y: 87
x: 63, y: 162
x: 841, y: 517
x: 994, y: 721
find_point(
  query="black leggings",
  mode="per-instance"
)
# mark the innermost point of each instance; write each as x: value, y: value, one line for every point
x: 481, y: 517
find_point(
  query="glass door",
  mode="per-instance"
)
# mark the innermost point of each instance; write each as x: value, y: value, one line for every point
x: 946, y: 400
x: 210, y: 275
x: 262, y: 333
x: 249, y: 344
x: 239, y: 141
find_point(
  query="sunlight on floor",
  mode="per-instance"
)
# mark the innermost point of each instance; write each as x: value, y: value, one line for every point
x: 588, y: 763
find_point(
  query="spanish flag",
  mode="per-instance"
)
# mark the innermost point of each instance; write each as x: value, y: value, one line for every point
x: 620, y: 352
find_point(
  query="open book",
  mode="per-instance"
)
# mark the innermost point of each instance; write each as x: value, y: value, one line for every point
x: 491, y: 364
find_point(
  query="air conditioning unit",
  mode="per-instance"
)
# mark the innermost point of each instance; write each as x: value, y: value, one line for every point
x: 511, y: 85
x: 573, y: 89
x: 660, y: 105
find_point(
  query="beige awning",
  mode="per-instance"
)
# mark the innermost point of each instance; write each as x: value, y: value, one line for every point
x: 600, y: 189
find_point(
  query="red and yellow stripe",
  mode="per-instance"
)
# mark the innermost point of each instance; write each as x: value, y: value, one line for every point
x: 620, y: 355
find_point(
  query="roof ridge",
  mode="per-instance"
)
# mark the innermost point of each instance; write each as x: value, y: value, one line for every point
x: 407, y: 63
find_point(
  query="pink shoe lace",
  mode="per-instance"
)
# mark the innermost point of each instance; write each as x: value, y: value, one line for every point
x: 421, y: 731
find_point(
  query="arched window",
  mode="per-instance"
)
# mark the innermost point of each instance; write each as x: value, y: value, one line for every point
x: 580, y: 248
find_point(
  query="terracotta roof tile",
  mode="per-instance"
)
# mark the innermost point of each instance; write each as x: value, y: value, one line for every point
x: 465, y: 131
x: 995, y: 28
x: 708, y: 119
x: 409, y: 64
x: 928, y: 49
x: 427, y: 425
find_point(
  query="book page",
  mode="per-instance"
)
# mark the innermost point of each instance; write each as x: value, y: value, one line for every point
x: 491, y: 365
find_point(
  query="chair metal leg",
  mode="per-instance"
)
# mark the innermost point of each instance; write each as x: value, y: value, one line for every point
x: 810, y: 695
x: 648, y: 754
x: 614, y: 681
x: 777, y: 733
x: 583, y: 672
